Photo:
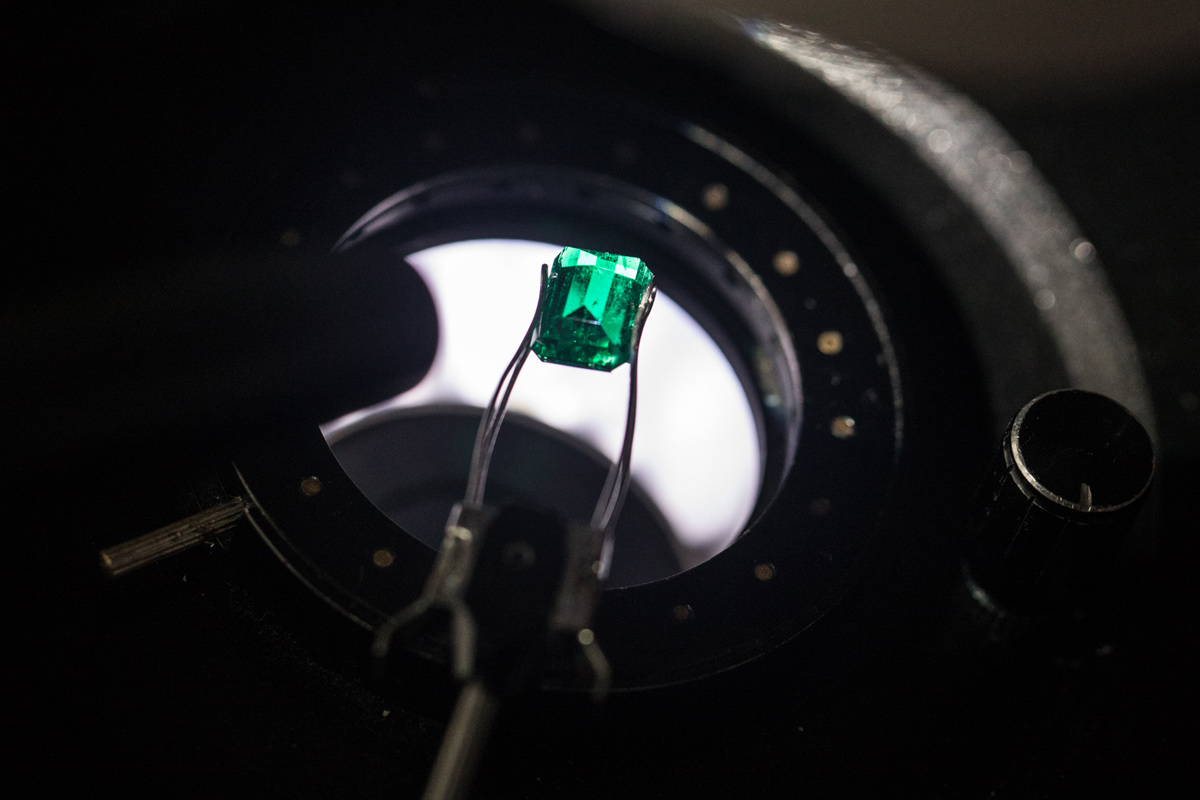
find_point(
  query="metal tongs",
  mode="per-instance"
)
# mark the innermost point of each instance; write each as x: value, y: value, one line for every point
x: 516, y: 584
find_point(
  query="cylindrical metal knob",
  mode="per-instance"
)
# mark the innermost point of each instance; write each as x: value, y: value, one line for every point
x: 1071, y: 474
x: 123, y: 558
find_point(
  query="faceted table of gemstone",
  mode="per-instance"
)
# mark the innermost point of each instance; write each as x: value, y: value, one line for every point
x: 591, y: 309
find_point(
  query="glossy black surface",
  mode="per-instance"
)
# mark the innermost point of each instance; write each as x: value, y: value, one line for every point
x: 148, y: 135
x: 1064, y: 488
x: 1069, y: 439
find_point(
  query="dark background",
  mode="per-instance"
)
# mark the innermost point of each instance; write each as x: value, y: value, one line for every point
x: 131, y: 126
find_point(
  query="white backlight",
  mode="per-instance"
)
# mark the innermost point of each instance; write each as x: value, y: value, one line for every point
x: 695, y: 451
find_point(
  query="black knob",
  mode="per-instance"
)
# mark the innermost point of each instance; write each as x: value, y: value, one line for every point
x: 1071, y: 474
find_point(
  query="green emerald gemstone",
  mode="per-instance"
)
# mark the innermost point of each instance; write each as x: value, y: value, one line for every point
x: 591, y: 308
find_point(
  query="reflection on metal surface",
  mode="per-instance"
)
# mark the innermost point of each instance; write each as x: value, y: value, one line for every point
x: 842, y: 427
x: 129, y: 556
x: 830, y: 343
x: 715, y: 196
x: 786, y: 262
x: 994, y: 177
x: 1083, y: 250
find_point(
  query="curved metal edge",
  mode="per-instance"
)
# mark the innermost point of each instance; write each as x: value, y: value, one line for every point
x: 347, y: 605
x: 1013, y: 447
x: 807, y: 78
x: 788, y: 196
x: 988, y: 171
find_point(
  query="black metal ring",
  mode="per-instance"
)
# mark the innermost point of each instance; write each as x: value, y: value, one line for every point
x: 827, y: 478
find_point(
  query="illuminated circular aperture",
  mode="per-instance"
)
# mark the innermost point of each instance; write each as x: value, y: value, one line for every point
x: 696, y: 449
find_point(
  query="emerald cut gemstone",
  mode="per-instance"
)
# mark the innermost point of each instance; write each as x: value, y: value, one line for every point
x: 591, y: 308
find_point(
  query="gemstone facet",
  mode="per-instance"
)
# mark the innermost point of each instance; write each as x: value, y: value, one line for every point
x: 591, y: 309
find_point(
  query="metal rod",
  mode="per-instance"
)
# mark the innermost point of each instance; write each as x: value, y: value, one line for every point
x: 616, y: 486
x: 128, y: 556
x: 618, y: 474
x: 463, y: 743
x: 493, y: 415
